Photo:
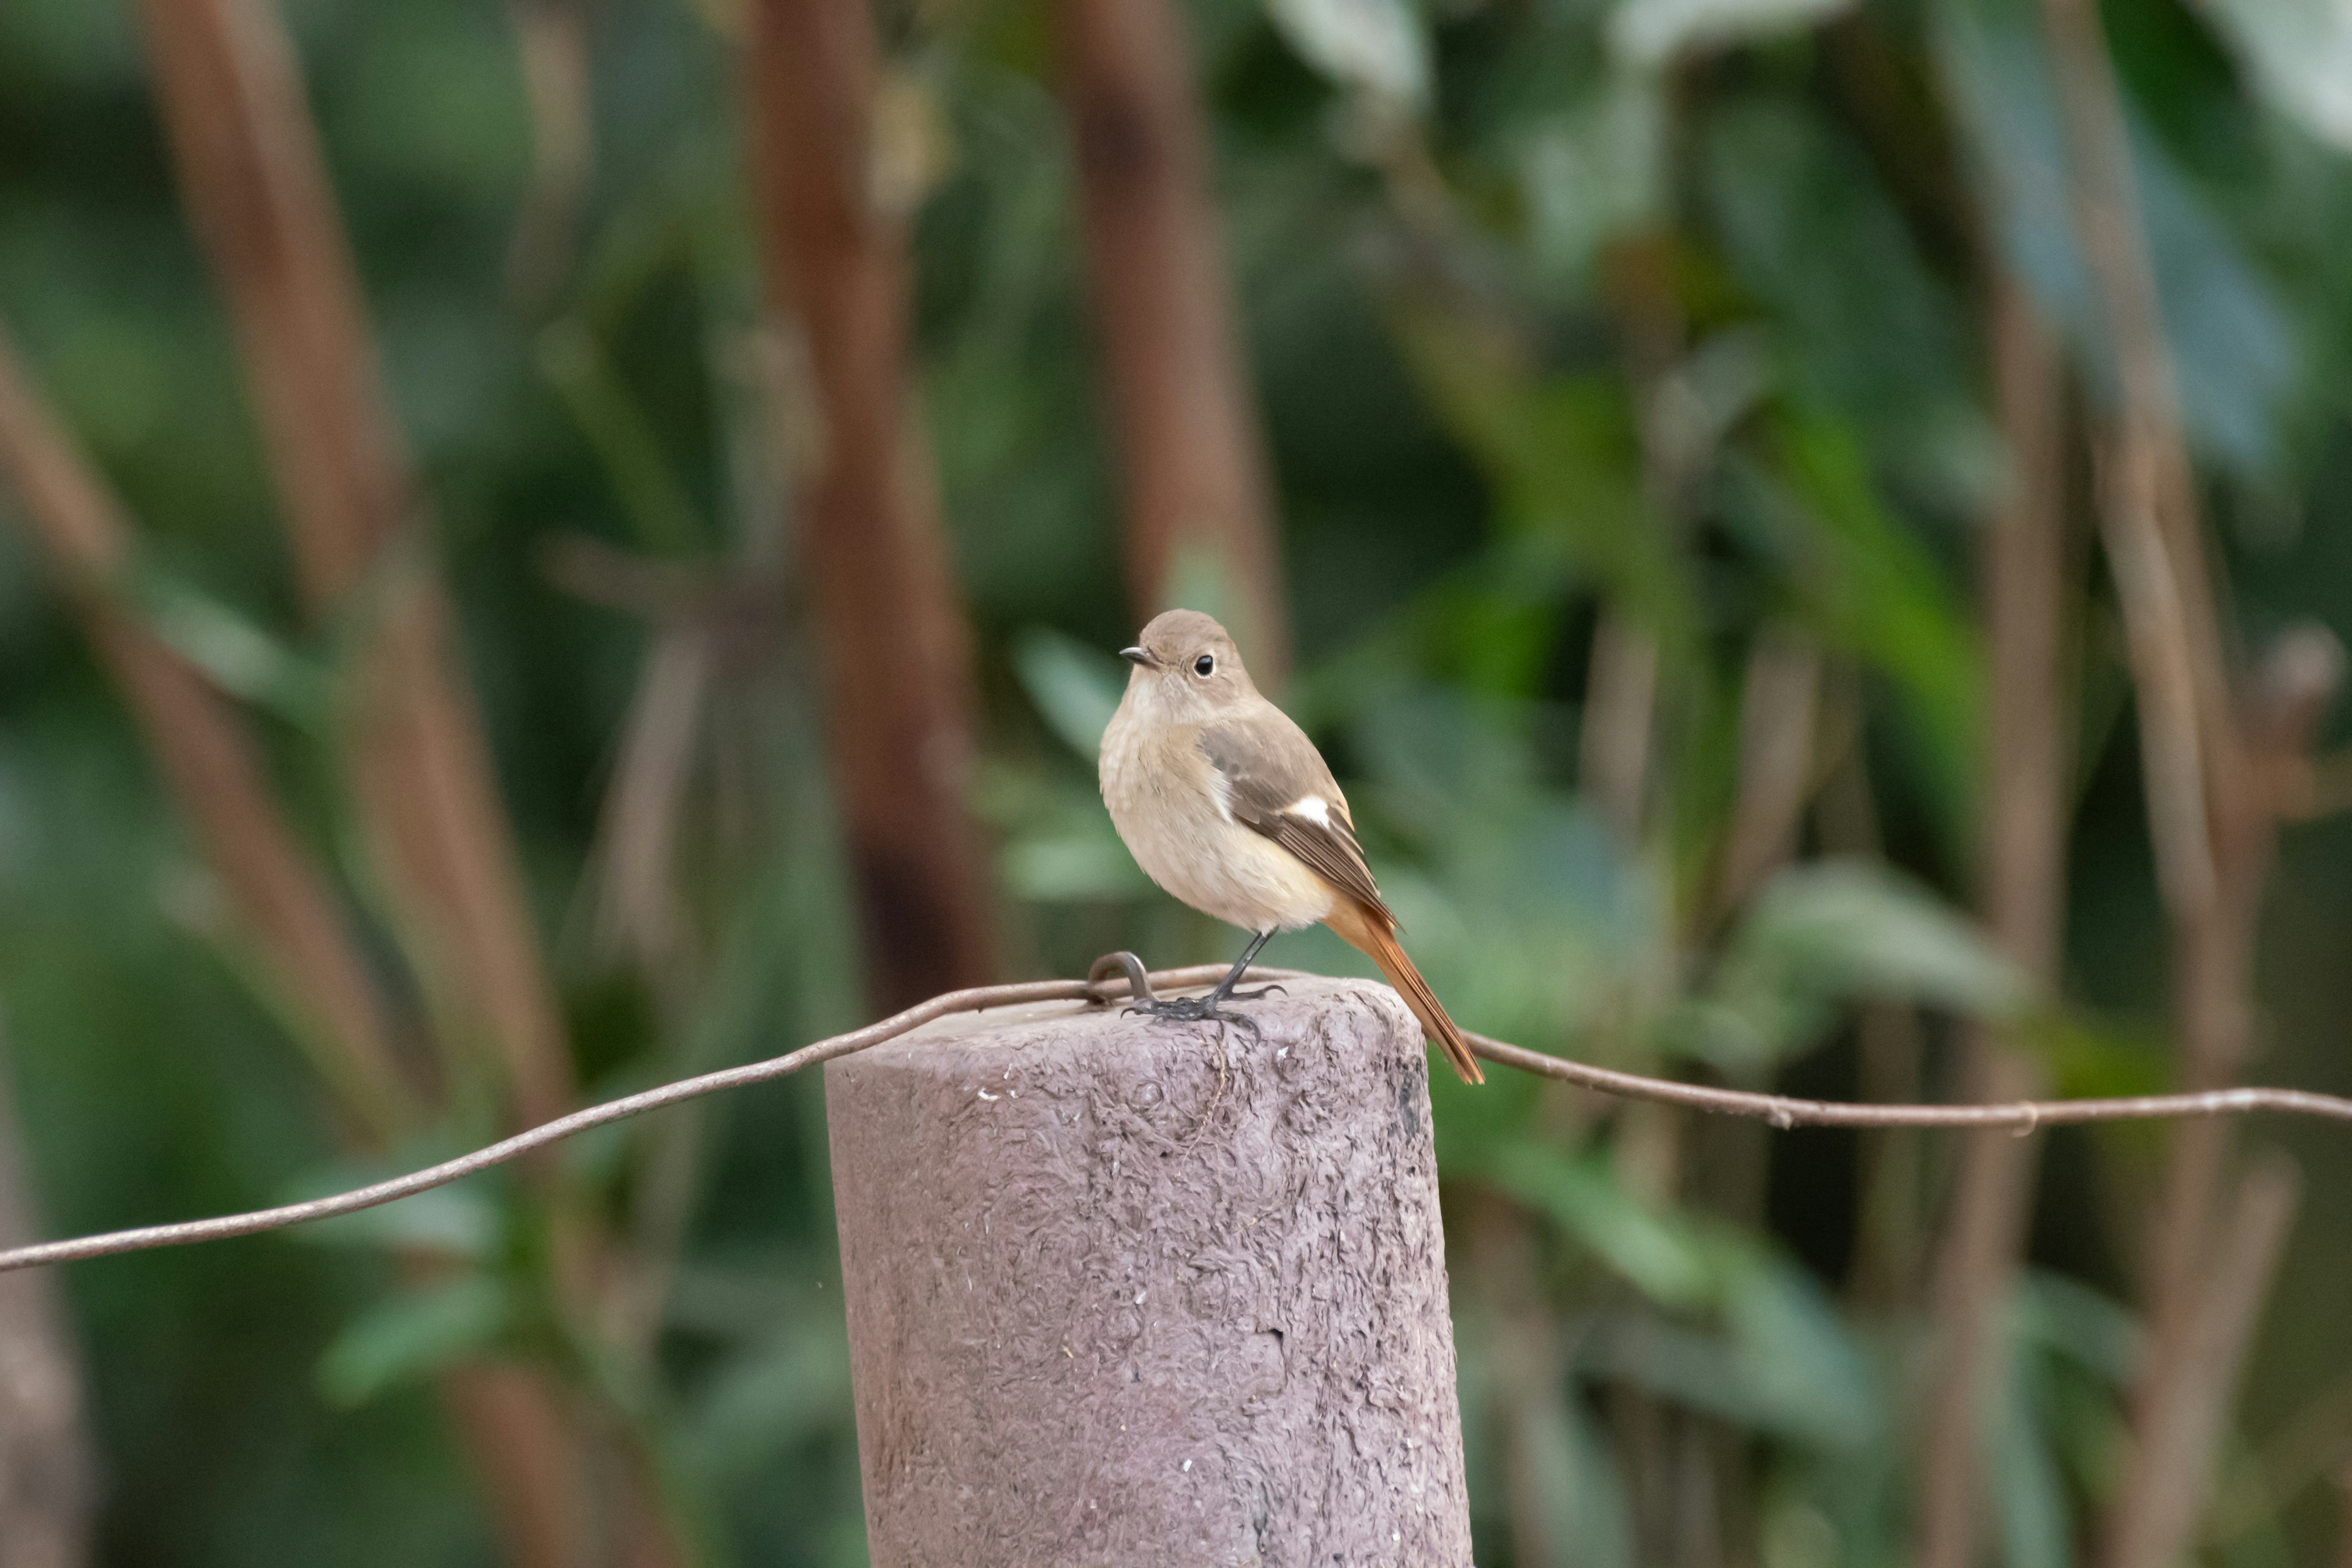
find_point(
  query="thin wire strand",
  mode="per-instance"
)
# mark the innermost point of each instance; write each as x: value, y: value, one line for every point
x: 1780, y: 1111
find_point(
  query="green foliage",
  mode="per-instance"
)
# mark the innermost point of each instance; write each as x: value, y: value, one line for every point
x: 1662, y: 312
x: 409, y: 1335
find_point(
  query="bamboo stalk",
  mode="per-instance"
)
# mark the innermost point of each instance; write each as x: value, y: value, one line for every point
x: 2024, y: 861
x: 417, y: 761
x: 895, y: 654
x: 1192, y: 460
x: 256, y: 192
x: 216, y: 778
x: 214, y: 771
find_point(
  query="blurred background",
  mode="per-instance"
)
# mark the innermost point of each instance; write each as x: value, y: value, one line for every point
x: 553, y: 545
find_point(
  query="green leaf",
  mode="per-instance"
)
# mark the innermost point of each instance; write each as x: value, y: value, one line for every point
x: 665, y: 517
x: 768, y: 1400
x: 1594, y: 171
x: 2029, y: 1490
x: 2235, y: 346
x: 2089, y: 1329
x: 2300, y: 52
x: 1800, y: 1364
x: 240, y: 656
x: 410, y: 1335
x: 1075, y: 688
x: 1652, y: 32
x: 1371, y: 46
x: 1071, y: 862
x: 464, y: 1219
x: 1566, y: 464
x: 1879, y: 337
x: 1873, y: 589
x: 1584, y: 1198
x: 1830, y: 932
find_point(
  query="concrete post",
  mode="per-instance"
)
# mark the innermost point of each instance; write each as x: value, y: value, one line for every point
x: 1114, y: 1301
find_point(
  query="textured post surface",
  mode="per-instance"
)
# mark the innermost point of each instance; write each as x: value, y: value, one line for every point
x: 1105, y: 1308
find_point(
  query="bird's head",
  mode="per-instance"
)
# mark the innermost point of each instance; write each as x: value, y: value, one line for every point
x: 1187, y: 669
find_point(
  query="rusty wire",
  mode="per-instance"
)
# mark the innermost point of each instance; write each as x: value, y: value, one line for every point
x: 1118, y: 971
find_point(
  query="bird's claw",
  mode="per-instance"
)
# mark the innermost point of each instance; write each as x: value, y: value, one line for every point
x: 1196, y: 1010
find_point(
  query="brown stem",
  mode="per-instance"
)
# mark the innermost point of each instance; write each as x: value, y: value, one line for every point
x: 2343, y: 1518
x: 45, y: 1472
x: 256, y: 191
x: 1527, y: 1377
x: 217, y: 777
x: 1619, y: 723
x: 213, y: 769
x: 1778, y: 701
x: 1891, y: 1047
x: 2211, y: 823
x: 418, y: 762
x: 1191, y: 457
x: 897, y: 655
x: 2024, y: 860
x: 551, y: 45
x: 516, y: 1431
x: 2172, y: 1467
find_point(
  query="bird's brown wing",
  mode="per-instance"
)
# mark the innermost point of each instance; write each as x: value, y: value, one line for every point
x: 1275, y: 779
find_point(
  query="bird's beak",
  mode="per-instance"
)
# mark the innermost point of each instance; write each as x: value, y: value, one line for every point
x: 1140, y: 656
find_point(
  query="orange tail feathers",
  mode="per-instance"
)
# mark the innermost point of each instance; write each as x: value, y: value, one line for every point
x: 1368, y: 933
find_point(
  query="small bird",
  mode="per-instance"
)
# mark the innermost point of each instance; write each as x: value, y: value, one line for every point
x: 1227, y: 804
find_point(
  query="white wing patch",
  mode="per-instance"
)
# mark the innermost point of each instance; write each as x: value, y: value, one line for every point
x: 1313, y: 807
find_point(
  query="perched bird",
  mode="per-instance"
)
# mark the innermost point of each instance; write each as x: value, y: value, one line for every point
x: 1227, y: 805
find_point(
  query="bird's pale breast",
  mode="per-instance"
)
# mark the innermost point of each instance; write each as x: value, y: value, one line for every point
x: 1164, y: 799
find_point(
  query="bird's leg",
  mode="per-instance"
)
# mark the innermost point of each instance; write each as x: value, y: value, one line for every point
x: 1225, y: 991
x: 1188, y: 1009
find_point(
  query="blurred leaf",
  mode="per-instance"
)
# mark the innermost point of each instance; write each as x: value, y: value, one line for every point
x: 238, y: 655
x: 1800, y: 1363
x: 1566, y: 465
x: 1827, y: 932
x: 409, y: 1335
x: 1076, y: 689
x: 2068, y: 1317
x: 1782, y: 1362
x: 1076, y: 864
x: 1575, y: 1474
x: 1372, y: 46
x: 1529, y: 913
x: 1582, y: 1196
x: 1058, y: 845
x: 757, y: 1405
x: 1879, y: 337
x: 463, y: 1220
x: 1875, y: 591
x: 2234, y: 348
x: 2300, y: 52
x: 1859, y: 927
x: 2092, y: 1059
x: 1594, y: 171
x: 1651, y: 32
x: 655, y: 499
x: 2029, y: 1490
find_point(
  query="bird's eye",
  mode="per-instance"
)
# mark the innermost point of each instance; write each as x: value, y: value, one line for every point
x: 1205, y: 666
